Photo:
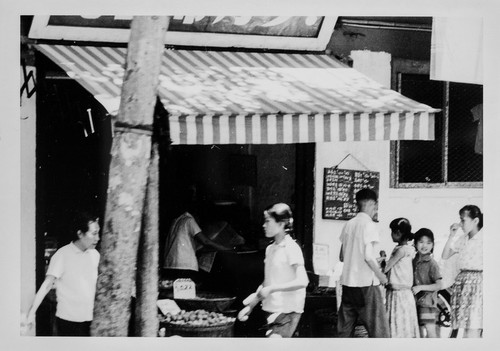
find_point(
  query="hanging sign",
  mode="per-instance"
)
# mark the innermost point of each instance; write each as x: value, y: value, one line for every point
x: 264, y: 32
x: 339, y: 190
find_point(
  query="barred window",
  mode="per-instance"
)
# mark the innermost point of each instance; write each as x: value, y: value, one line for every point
x: 455, y: 157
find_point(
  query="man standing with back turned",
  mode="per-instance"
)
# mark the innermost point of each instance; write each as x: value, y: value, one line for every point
x: 361, y: 275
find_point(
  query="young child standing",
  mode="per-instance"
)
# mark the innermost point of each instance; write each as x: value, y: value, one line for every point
x: 426, y: 282
x: 400, y: 303
x: 467, y: 295
x: 283, y: 291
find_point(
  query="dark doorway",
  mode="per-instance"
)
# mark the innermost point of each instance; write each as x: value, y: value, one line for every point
x: 73, y: 141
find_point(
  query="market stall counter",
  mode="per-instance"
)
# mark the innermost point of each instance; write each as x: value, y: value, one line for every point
x: 206, y: 314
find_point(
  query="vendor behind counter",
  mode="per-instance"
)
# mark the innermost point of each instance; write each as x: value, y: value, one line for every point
x: 185, y: 237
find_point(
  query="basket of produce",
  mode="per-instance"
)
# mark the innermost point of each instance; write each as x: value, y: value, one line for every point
x: 197, y: 323
x: 209, y: 301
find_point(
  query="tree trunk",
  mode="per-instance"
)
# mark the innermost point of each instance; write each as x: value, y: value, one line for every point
x: 128, y: 173
x: 146, y: 312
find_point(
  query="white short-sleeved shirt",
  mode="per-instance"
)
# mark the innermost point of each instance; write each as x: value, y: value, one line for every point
x: 280, y: 267
x: 470, y: 251
x: 76, y: 277
x: 358, y: 232
x: 180, y: 248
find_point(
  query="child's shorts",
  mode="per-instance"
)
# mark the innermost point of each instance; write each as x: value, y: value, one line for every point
x: 426, y: 315
x: 282, y: 324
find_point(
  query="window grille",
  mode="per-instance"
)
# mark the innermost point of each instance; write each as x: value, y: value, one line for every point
x: 455, y: 157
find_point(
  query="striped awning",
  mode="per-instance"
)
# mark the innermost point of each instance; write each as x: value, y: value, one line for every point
x: 216, y: 97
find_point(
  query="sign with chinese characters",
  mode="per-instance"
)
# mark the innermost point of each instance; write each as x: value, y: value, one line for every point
x: 340, y: 187
x: 263, y: 32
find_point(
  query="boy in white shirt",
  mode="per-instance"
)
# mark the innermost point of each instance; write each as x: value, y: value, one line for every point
x: 361, y: 275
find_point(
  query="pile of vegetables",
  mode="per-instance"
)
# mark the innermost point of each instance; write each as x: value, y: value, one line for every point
x: 200, y: 318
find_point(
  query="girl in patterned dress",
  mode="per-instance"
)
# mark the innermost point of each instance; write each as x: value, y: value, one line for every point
x: 400, y: 303
x: 467, y: 295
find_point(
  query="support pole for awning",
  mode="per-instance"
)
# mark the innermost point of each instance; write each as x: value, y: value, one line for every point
x: 128, y: 175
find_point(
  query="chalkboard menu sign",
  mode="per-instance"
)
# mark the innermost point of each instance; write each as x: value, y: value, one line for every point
x: 339, y: 190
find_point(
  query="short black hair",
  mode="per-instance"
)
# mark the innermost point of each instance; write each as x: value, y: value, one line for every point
x: 366, y: 194
x: 81, y: 222
x: 424, y: 232
x: 281, y: 212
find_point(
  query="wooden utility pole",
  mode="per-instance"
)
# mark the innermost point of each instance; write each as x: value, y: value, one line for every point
x: 146, y: 311
x: 128, y: 176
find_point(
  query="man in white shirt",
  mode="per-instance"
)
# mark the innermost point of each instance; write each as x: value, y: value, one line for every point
x: 73, y: 270
x: 361, y: 275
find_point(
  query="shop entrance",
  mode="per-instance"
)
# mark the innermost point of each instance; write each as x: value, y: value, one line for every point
x: 235, y: 183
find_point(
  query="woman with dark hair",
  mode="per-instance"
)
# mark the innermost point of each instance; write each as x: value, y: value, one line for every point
x: 400, y: 303
x: 467, y: 295
x: 73, y: 271
x: 283, y: 291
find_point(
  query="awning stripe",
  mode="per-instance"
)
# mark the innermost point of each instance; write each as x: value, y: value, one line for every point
x: 182, y: 130
x: 217, y: 60
x: 401, y: 126
x: 200, y: 128
x: 311, y: 128
x: 408, y: 121
x: 60, y: 55
x: 225, y: 130
x: 91, y: 70
x: 364, y: 126
x: 261, y: 61
x: 256, y: 128
x: 271, y: 129
x: 357, y: 132
x: 335, y: 127
x: 394, y: 126
x: 295, y: 126
x: 191, y: 130
x: 303, y: 128
x: 326, y: 128
x: 255, y: 98
x: 320, y: 98
x: 430, y: 124
x: 239, y: 122
x: 318, y: 128
x: 288, y: 129
x: 387, y: 126
x: 200, y: 99
x: 208, y: 131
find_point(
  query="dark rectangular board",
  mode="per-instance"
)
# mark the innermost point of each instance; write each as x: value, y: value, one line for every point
x: 339, y: 190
